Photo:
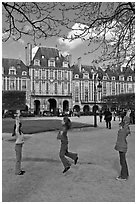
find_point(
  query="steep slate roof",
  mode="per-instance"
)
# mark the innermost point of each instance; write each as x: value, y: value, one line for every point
x: 8, y: 63
x: 111, y: 73
x: 87, y: 68
x: 49, y: 53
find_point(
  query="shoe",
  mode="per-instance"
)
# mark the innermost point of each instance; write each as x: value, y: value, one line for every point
x: 66, y: 169
x: 119, y: 178
x: 21, y: 173
x: 75, y: 162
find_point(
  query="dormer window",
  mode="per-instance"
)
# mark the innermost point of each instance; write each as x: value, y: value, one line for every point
x: 51, y: 62
x: 24, y: 73
x: 121, y: 78
x: 129, y: 78
x: 85, y: 76
x: 18, y: 66
x: 76, y: 76
x: 37, y: 62
x: 2, y: 70
x: 12, y: 71
x: 113, y: 78
x: 65, y: 64
x: 104, y: 77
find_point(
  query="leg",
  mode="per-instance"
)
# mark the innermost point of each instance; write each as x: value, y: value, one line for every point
x: 124, y: 167
x: 62, y: 153
x: 109, y: 124
x: 18, y: 149
x: 71, y: 155
x: 106, y: 124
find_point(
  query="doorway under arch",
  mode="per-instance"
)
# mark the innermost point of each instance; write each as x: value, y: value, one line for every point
x: 86, y: 109
x: 52, y: 105
x: 36, y: 107
x: 65, y: 105
x: 76, y: 108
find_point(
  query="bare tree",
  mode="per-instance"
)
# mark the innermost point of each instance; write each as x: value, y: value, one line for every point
x: 110, y: 25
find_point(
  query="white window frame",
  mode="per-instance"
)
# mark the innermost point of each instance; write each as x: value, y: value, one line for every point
x: 129, y: 78
x: 85, y: 76
x: 12, y: 69
x: 51, y: 63
x: 76, y: 76
x: 24, y: 73
x: 37, y: 62
x: 104, y: 77
x: 65, y: 64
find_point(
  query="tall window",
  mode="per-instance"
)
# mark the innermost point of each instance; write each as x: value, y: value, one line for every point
x: 56, y: 88
x: 86, y: 94
x: 47, y: 74
x: 113, y: 88
x: 12, y: 71
x: 24, y: 86
x: 55, y: 74
x: 62, y: 88
x: 47, y: 88
x: 59, y: 75
x: 37, y: 62
x: 76, y: 94
x: 43, y: 74
x: 12, y: 84
x: 51, y: 63
x: 65, y: 64
x: 51, y: 74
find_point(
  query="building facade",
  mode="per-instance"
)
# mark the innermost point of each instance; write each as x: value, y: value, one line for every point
x: 54, y: 85
x: 51, y: 81
x: 15, y: 77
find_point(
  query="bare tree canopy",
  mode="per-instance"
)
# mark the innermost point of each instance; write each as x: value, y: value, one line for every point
x: 111, y: 25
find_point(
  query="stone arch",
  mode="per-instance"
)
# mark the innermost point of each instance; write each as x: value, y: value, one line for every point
x: 86, y: 109
x: 65, y: 105
x: 36, y: 107
x: 76, y: 108
x: 52, y: 105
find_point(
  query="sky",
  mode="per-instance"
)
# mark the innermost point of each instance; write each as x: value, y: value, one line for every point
x: 77, y: 48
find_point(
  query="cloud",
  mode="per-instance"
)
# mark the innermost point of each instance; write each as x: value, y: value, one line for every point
x: 72, y: 41
x: 21, y: 41
x: 5, y: 35
x: 27, y: 28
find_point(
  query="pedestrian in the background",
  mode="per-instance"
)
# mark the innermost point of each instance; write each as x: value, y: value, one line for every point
x: 114, y: 115
x: 122, y: 114
x: 108, y: 118
x: 18, y: 146
x: 66, y: 124
x: 126, y: 118
x: 132, y: 116
x: 121, y: 147
x: 100, y: 115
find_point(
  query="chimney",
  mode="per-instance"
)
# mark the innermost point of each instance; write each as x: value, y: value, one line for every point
x: 70, y: 59
x: 79, y: 64
x: 28, y: 51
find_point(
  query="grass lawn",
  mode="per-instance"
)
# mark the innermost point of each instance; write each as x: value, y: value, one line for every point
x: 36, y: 126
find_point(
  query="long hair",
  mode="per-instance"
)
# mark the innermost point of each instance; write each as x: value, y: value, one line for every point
x: 67, y: 122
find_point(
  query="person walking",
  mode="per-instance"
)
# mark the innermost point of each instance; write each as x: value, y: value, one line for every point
x: 121, y: 147
x: 62, y: 135
x: 108, y: 118
x: 18, y: 146
x: 100, y: 115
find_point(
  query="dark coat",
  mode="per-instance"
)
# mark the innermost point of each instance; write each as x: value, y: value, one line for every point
x: 108, y: 116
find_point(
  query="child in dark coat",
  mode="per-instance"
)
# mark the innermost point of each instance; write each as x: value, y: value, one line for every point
x: 66, y: 124
x: 121, y: 146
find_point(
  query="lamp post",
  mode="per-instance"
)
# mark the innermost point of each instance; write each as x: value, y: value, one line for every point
x: 96, y: 87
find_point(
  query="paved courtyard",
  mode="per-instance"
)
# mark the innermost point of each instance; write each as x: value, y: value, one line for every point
x: 91, y: 180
